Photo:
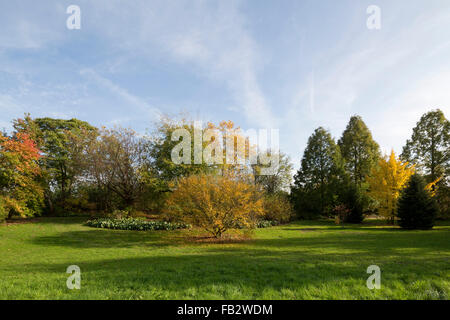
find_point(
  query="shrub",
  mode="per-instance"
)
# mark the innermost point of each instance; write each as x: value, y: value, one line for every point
x: 3, y: 210
x: 266, y: 224
x: 215, y: 203
x: 416, y: 208
x: 340, y: 213
x: 120, y: 214
x: 277, y: 208
x: 134, y: 224
x: 354, y: 199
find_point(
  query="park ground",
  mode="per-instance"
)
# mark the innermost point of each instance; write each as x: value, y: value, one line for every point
x: 301, y: 260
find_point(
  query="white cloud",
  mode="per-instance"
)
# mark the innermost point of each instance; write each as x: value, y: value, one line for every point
x: 390, y: 77
x: 209, y: 38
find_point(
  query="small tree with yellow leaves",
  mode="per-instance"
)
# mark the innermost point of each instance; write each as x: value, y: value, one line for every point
x: 215, y: 203
x: 386, y: 182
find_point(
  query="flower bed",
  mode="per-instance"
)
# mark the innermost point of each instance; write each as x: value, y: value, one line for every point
x: 134, y: 224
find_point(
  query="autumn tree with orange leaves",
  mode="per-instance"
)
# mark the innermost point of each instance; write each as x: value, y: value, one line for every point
x: 20, y: 192
x: 215, y: 203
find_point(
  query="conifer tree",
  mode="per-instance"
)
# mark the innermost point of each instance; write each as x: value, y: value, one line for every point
x: 417, y: 209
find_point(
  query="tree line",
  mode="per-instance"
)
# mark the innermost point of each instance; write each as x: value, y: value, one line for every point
x: 350, y: 178
x: 57, y: 166
x: 75, y: 167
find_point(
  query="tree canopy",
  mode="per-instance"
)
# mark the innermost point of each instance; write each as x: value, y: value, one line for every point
x: 358, y: 149
x: 386, y: 182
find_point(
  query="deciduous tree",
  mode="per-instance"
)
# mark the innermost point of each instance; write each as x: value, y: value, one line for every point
x: 215, y: 203
x: 429, y: 146
x: 115, y: 161
x: 20, y: 191
x: 281, y: 177
x: 60, y: 157
x: 386, y: 182
x: 429, y: 149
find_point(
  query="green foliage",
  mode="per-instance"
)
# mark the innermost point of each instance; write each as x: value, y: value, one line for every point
x: 3, y: 210
x: 281, y: 177
x: 63, y: 144
x: 259, y: 224
x: 160, y: 149
x: 429, y: 150
x: 116, y: 160
x: 358, y: 149
x: 134, y: 224
x: 416, y: 208
x: 314, y: 183
x: 443, y: 200
x: 266, y: 224
x: 121, y: 214
x: 332, y: 175
x: 340, y: 213
x: 277, y: 207
x: 154, y: 191
x: 429, y: 146
x: 355, y: 200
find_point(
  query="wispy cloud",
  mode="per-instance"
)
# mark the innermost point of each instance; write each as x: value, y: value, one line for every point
x: 224, y: 51
x: 122, y: 93
x: 288, y: 65
x: 208, y: 37
x: 390, y: 78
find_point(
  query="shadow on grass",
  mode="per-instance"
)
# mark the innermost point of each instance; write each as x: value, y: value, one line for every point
x: 250, y: 272
x: 294, y: 261
x: 367, y: 225
x: 391, y: 241
x: 61, y: 220
x: 346, y: 228
x: 105, y: 238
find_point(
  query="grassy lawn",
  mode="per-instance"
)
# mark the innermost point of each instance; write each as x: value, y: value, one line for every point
x: 302, y: 260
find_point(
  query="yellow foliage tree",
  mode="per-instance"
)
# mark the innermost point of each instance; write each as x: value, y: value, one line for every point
x: 386, y: 181
x: 215, y: 203
x: 432, y: 187
x: 236, y: 149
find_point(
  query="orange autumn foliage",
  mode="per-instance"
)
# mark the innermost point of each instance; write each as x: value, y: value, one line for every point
x: 215, y: 203
x: 19, y: 190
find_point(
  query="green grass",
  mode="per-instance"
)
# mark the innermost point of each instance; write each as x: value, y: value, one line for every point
x: 302, y: 260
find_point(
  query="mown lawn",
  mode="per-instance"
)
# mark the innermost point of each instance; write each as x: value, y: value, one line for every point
x: 302, y: 260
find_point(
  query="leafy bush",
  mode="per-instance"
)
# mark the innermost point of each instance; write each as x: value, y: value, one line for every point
x: 277, y: 208
x: 259, y: 224
x: 3, y: 210
x: 416, y: 208
x: 215, y: 203
x: 340, y: 213
x: 120, y: 214
x: 355, y: 200
x: 134, y: 224
x: 266, y: 224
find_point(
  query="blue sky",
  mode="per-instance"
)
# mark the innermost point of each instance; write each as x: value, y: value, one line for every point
x: 291, y: 65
